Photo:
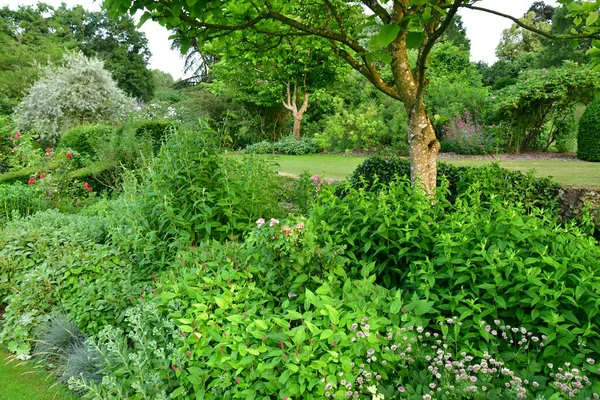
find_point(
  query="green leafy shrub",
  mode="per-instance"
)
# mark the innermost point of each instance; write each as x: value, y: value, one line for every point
x: 191, y: 192
x: 231, y: 322
x: 291, y: 146
x: 493, y: 180
x: 20, y: 200
x: 588, y: 138
x: 366, y: 127
x: 53, y: 260
x: 263, y: 147
x: 85, y: 139
x: 155, y: 131
x: 489, y: 258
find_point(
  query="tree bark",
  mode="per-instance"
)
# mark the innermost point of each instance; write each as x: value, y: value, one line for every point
x: 424, y: 147
x: 293, y: 107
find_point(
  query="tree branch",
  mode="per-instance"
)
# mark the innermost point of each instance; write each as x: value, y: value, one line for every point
x: 378, y: 9
x: 426, y: 49
x: 531, y: 28
x: 370, y: 73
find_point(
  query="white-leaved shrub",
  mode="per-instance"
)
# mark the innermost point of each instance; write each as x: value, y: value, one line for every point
x: 80, y: 91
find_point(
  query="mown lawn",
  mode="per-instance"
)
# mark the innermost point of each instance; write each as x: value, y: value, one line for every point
x: 19, y: 381
x: 340, y: 166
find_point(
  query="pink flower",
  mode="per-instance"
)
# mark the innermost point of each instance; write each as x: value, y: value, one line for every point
x: 18, y: 135
x: 69, y: 155
x: 260, y: 222
x: 42, y: 176
x: 175, y: 367
x: 87, y: 187
x: 273, y: 222
x: 291, y: 295
x: 48, y: 149
x: 237, y: 380
x: 32, y: 181
x: 300, y: 225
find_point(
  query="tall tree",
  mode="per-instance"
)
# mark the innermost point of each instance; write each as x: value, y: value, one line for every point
x: 116, y: 41
x: 404, y: 24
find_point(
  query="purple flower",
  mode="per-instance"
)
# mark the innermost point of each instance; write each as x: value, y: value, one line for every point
x: 291, y: 295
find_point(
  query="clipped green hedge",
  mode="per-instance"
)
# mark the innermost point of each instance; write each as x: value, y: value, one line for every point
x: 588, y: 138
x: 156, y: 131
x: 101, y: 175
x: 21, y: 175
x: 493, y: 180
x: 85, y: 139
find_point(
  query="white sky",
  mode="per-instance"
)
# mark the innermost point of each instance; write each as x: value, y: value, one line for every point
x: 483, y: 29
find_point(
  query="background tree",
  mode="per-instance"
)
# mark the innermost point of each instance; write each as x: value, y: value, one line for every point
x: 25, y: 39
x: 42, y: 34
x: 540, y: 97
x: 116, y: 41
x: 404, y: 25
x: 79, y: 92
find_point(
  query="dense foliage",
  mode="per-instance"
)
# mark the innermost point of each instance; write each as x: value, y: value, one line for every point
x: 79, y: 92
x: 588, y: 138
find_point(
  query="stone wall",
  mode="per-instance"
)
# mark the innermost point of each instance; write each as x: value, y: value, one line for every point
x: 573, y: 199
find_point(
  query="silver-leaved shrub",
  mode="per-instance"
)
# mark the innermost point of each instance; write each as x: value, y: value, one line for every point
x: 80, y: 91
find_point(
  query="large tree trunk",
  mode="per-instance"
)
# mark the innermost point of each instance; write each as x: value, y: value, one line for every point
x: 424, y: 147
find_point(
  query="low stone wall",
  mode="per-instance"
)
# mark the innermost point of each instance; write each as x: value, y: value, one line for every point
x: 573, y: 199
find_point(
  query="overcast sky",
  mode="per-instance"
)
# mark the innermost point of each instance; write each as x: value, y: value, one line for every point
x: 483, y: 29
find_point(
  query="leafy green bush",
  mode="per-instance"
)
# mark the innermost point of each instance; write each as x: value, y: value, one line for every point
x: 493, y: 180
x: 191, y: 192
x: 52, y: 260
x: 371, y: 125
x: 588, y: 138
x: 263, y: 147
x: 269, y: 321
x: 20, y: 200
x: 85, y: 139
x: 490, y: 259
x: 291, y: 146
x: 155, y: 131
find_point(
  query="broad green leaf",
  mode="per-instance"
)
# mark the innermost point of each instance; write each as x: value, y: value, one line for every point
x: 386, y: 35
x: 592, y: 18
x: 414, y: 39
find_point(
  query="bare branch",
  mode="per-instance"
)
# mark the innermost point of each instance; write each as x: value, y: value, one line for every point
x: 378, y: 9
x: 532, y: 28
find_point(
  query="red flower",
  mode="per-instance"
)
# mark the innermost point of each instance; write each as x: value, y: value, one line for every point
x: 237, y: 380
x: 18, y: 135
x: 87, y: 187
x: 281, y: 345
x: 69, y: 155
x: 189, y: 354
x: 42, y: 176
x: 175, y: 367
x: 32, y: 181
x: 48, y: 149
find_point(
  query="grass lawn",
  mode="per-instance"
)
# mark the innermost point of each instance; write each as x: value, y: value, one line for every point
x: 22, y: 382
x: 339, y: 167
